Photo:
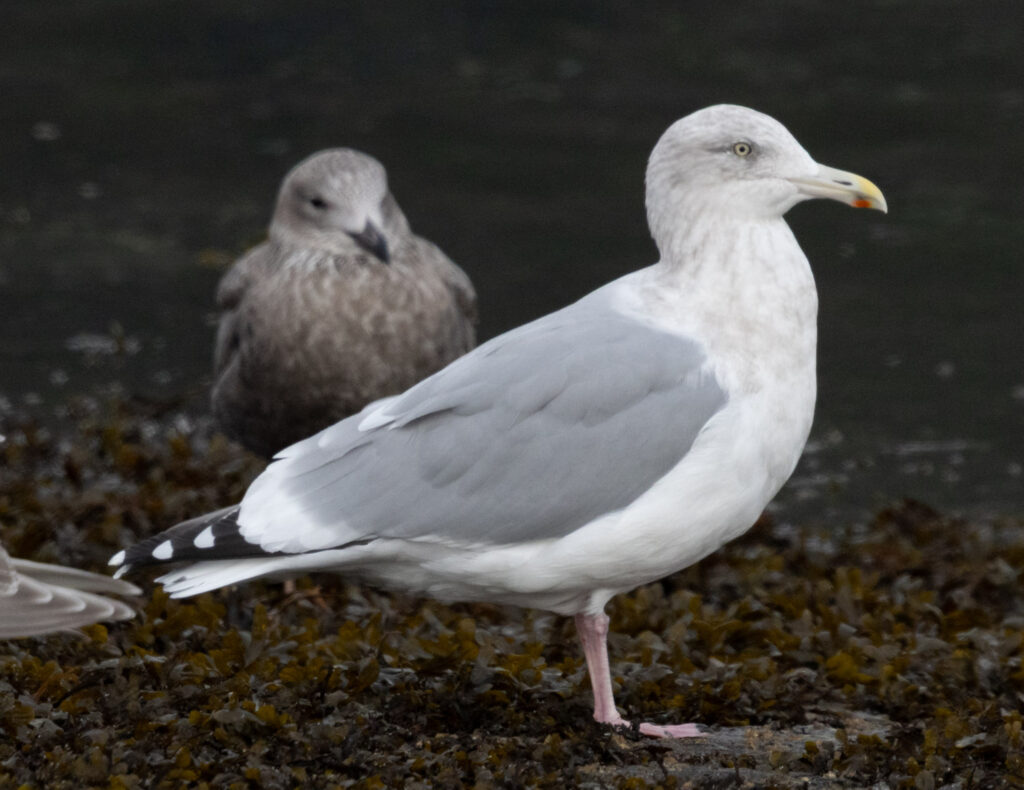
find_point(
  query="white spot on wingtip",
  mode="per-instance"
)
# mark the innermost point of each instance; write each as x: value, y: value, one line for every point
x: 204, y: 540
x: 164, y: 551
x: 121, y: 571
x: 117, y: 559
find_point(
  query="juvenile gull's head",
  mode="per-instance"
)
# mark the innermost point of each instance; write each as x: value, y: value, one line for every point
x: 333, y: 199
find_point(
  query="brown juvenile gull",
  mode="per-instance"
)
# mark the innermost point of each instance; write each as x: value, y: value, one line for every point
x: 593, y: 450
x: 342, y: 305
x: 37, y: 598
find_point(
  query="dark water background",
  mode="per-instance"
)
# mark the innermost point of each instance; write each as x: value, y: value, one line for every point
x: 143, y: 142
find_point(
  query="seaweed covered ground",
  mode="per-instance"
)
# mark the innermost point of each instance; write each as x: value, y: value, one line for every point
x: 890, y: 656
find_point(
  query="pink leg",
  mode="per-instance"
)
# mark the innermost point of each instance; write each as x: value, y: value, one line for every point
x: 593, y: 631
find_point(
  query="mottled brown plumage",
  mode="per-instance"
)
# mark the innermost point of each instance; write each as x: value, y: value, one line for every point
x: 342, y: 305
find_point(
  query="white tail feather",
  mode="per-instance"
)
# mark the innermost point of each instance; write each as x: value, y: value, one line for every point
x: 210, y: 575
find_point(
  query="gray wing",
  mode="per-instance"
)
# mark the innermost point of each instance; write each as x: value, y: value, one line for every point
x: 74, y: 578
x: 36, y: 598
x: 531, y: 436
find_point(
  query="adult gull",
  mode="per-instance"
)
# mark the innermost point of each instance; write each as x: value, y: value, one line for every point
x: 38, y: 598
x: 593, y: 450
x: 342, y: 305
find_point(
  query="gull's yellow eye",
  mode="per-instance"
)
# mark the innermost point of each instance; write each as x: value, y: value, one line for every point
x: 742, y: 149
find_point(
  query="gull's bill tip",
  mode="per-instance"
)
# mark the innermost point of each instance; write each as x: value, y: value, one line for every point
x: 848, y: 188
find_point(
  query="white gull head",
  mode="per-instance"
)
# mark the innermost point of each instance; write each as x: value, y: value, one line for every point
x: 737, y: 164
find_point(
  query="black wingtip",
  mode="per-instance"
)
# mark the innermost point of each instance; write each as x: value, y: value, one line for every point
x: 212, y: 536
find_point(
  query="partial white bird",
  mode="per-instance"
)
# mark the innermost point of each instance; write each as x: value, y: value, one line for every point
x: 596, y: 449
x: 341, y: 306
x: 37, y: 598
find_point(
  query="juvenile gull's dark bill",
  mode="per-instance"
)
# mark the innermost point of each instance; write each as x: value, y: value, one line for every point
x: 342, y: 305
x: 596, y: 449
x: 37, y: 598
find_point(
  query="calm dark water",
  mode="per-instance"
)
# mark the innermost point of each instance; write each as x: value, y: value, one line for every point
x: 143, y: 144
